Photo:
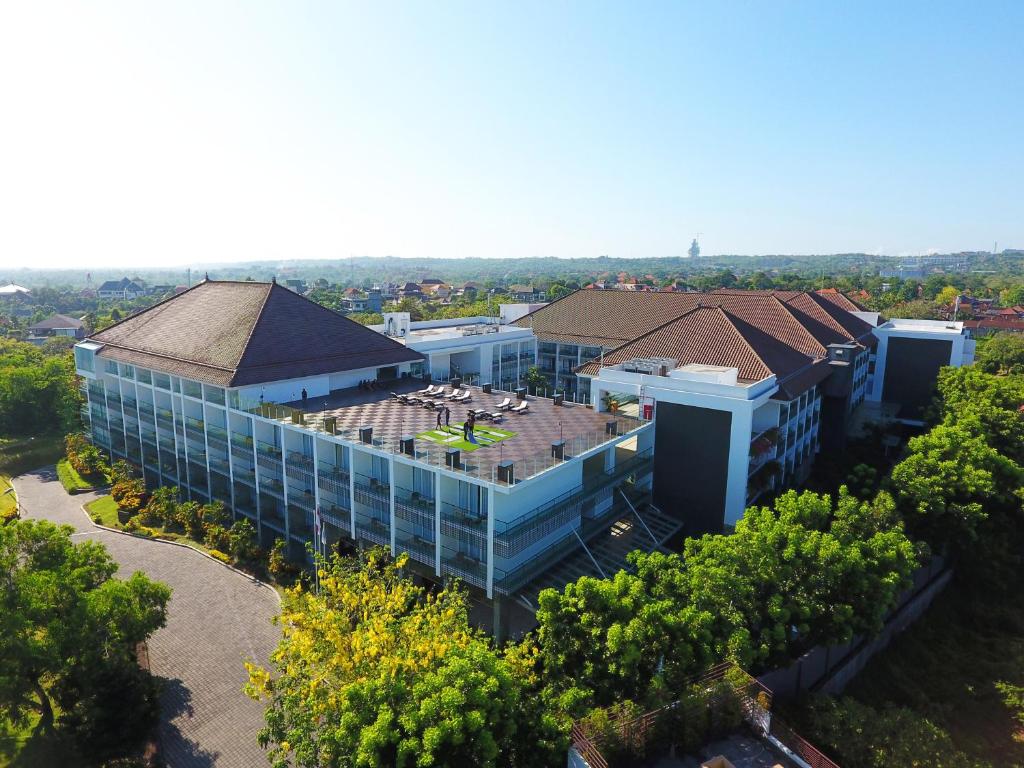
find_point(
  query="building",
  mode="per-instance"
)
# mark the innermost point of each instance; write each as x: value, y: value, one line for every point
x: 56, y: 325
x: 744, y: 387
x: 355, y: 301
x: 527, y: 293
x: 123, y: 289
x: 13, y: 292
x: 976, y: 329
x: 910, y: 354
x: 254, y: 396
x: 694, y: 251
x: 472, y: 349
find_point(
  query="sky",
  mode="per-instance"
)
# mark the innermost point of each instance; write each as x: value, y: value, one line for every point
x: 154, y: 134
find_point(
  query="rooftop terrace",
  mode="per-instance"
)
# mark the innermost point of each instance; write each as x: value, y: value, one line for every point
x: 528, y: 447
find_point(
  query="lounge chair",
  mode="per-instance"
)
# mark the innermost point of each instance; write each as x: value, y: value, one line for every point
x: 435, y: 391
x: 496, y: 417
x: 425, y: 391
x: 430, y: 404
x: 413, y: 400
x: 505, y: 404
x: 523, y: 407
x: 455, y: 393
x: 465, y: 397
x: 395, y: 396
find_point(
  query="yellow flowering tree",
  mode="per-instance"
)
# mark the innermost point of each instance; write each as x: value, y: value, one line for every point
x: 376, y: 671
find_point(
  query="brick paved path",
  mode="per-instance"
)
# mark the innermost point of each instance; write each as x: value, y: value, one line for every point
x: 216, y: 620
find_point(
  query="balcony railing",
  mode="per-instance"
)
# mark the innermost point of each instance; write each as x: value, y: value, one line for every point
x: 372, y: 492
x: 463, y: 566
x: 419, y: 548
x: 414, y: 507
x: 337, y: 516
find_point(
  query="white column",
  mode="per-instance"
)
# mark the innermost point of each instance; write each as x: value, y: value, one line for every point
x: 490, y: 542
x: 284, y: 486
x: 391, y: 500
x: 437, y: 524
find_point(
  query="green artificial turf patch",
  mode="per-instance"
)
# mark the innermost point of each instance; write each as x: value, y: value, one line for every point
x: 451, y: 437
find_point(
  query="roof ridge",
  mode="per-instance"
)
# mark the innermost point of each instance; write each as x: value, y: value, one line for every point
x: 732, y: 320
x: 803, y: 328
x: 256, y: 322
x: 147, y: 309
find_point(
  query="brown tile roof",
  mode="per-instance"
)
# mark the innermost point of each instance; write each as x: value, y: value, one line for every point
x: 711, y: 335
x: 784, y: 333
x: 241, y: 333
x: 596, y: 317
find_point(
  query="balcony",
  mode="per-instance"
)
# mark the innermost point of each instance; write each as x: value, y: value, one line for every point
x: 373, y: 529
x: 272, y: 486
x: 241, y: 448
x: 269, y: 458
x: 337, y: 516
x: 333, y: 480
x: 464, y: 566
x: 419, y: 548
x: 372, y: 492
x: 414, y: 507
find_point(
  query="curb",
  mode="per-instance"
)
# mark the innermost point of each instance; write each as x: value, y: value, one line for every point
x: 240, y: 572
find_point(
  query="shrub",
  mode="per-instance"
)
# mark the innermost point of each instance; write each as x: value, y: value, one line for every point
x: 218, y: 555
x: 129, y: 494
x: 84, y: 457
x: 216, y: 537
x: 162, y: 506
x: 242, y: 541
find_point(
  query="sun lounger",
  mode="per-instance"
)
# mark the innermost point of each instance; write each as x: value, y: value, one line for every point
x: 455, y: 393
x: 425, y: 391
x: 413, y: 400
x: 505, y: 404
x: 465, y: 397
x: 435, y: 391
x: 521, y: 408
x: 496, y: 416
x: 395, y: 396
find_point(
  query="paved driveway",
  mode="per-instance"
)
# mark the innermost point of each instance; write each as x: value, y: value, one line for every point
x: 216, y: 620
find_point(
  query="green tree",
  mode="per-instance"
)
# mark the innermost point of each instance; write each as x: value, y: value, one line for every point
x: 1002, y: 353
x: 375, y: 671
x: 860, y: 736
x: 535, y: 379
x: 65, y: 622
x: 948, y: 481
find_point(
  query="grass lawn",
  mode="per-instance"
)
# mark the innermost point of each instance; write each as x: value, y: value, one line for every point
x: 106, y: 508
x: 451, y: 437
x: 69, y: 477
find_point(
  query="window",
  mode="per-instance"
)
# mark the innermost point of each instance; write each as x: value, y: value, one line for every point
x: 143, y: 376
x: 127, y: 371
x: 110, y: 367
x: 379, y: 469
x: 84, y: 360
x: 473, y: 498
x: 423, y: 482
x: 307, y: 445
x: 161, y: 380
x: 340, y: 457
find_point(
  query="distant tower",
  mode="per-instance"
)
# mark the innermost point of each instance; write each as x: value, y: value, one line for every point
x: 694, y: 249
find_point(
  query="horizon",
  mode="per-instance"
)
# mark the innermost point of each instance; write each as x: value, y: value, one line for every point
x: 257, y: 133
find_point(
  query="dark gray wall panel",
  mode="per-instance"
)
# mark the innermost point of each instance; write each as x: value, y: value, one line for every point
x: 911, y: 370
x: 691, y: 465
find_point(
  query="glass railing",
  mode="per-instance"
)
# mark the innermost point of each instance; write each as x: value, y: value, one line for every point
x: 414, y: 508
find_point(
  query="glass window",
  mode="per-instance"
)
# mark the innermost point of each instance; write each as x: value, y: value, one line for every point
x: 423, y: 482
x: 111, y: 367
x: 161, y: 380
x: 84, y: 359
x: 379, y: 469
x: 144, y: 376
